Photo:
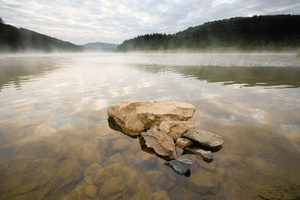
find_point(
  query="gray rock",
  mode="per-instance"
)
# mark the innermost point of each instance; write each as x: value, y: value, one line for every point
x: 206, y: 155
x: 205, y: 138
x: 181, y: 166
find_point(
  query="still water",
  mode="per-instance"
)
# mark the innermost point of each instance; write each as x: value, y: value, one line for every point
x: 55, y: 142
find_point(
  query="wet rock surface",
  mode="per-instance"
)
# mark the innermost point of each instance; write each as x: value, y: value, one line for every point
x: 205, y: 138
x: 206, y: 155
x: 134, y: 117
x: 163, y: 129
x: 161, y: 143
x: 181, y: 166
x: 183, y: 142
x: 175, y: 129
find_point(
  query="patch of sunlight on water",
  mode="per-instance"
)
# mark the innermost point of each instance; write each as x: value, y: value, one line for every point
x: 55, y: 142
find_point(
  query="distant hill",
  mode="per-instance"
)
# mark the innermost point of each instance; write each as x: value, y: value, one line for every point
x: 268, y: 32
x: 100, y: 46
x: 14, y: 39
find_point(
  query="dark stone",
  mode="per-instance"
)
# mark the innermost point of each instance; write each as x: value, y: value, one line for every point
x: 181, y: 166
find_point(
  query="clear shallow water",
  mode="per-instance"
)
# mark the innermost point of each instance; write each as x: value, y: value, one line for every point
x: 55, y: 142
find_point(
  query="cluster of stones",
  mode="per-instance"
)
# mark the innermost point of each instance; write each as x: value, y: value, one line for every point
x: 165, y: 126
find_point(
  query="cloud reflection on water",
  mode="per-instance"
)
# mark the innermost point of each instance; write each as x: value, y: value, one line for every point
x: 19, y: 70
x: 57, y: 124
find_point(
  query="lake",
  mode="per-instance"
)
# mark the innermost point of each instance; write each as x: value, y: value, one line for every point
x: 55, y: 141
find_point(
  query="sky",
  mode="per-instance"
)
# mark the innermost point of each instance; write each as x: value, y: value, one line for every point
x: 113, y: 21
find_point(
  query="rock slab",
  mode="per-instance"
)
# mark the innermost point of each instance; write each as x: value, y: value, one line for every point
x: 175, y: 129
x: 134, y: 117
x: 181, y: 166
x: 161, y: 143
x: 205, y: 138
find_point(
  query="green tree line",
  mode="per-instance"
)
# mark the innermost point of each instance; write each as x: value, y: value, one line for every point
x: 270, y: 32
x: 14, y: 39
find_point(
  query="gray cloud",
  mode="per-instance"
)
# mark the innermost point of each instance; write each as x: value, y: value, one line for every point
x: 81, y: 21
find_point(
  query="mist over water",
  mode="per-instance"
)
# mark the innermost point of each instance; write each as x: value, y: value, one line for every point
x: 55, y: 142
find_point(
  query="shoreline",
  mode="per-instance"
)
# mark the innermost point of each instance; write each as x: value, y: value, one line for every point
x: 225, y: 51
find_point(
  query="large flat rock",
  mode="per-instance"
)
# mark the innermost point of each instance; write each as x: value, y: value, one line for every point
x: 134, y: 117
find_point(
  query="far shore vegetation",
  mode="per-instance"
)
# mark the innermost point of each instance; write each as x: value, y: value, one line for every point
x: 270, y: 33
x: 257, y: 33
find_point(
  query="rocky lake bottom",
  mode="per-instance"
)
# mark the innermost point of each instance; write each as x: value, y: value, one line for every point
x: 56, y: 143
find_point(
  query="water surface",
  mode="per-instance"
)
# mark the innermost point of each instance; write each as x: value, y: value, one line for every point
x: 55, y: 142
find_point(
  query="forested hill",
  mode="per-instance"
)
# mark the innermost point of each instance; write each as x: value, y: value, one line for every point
x: 257, y: 32
x: 14, y: 39
x: 100, y: 46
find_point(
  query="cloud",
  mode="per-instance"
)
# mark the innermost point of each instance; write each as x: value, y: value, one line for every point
x: 82, y: 21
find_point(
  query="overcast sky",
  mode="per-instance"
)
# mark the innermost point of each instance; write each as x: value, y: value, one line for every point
x: 113, y: 21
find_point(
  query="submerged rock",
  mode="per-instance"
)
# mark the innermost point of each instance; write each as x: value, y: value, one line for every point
x: 202, y: 181
x: 205, y: 138
x: 161, y: 143
x: 160, y: 195
x: 156, y: 177
x: 112, y: 187
x: 91, y: 191
x: 131, y: 177
x: 134, y: 117
x: 181, y: 166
